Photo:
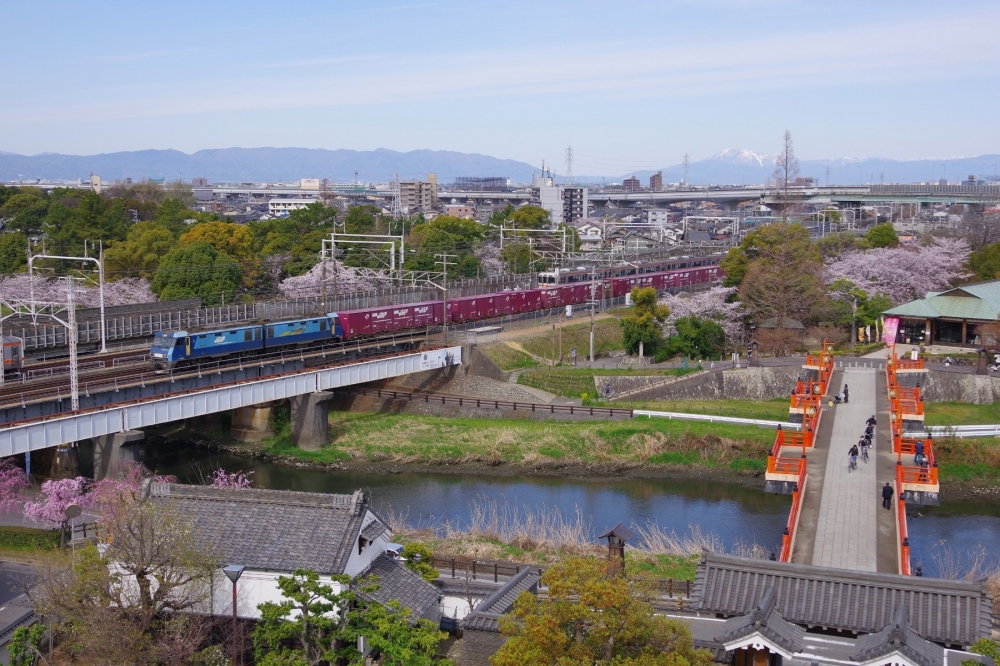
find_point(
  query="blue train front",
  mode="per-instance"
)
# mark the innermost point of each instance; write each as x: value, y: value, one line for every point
x: 172, y: 349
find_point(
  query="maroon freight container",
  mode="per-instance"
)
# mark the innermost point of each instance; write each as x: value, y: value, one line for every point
x: 552, y: 297
x: 502, y: 303
x: 402, y: 318
x: 427, y: 313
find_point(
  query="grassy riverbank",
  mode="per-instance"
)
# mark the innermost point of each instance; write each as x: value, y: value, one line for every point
x: 504, y: 531
x: 538, y: 345
x: 960, y: 413
x: 968, y: 459
x: 411, y: 439
x: 572, y: 383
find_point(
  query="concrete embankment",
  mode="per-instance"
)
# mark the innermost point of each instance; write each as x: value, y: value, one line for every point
x: 764, y: 383
x: 942, y: 386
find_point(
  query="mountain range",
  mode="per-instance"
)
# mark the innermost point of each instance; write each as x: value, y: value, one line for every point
x: 730, y: 167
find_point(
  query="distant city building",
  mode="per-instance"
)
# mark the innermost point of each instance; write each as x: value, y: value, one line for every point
x: 656, y: 182
x: 95, y: 183
x: 197, y: 182
x: 565, y: 204
x: 309, y: 184
x: 658, y: 217
x: 631, y: 184
x: 805, y: 182
x: 481, y: 183
x: 417, y: 195
x: 460, y: 210
x: 432, y: 180
x: 278, y: 207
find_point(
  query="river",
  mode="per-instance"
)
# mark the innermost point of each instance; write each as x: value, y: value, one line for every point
x: 733, y: 513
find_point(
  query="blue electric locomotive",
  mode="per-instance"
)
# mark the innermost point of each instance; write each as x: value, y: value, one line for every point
x: 171, y: 348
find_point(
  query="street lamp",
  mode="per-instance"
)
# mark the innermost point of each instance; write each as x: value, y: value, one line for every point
x: 233, y: 573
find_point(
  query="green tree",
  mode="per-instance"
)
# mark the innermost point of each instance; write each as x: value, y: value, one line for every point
x: 530, y: 217
x: 197, y: 270
x: 643, y: 322
x: 24, y: 210
x: 761, y: 242
x: 985, y: 262
x: 316, y: 624
x: 312, y: 616
x: 398, y: 640
x: 833, y: 245
x: 881, y: 235
x: 361, y: 219
x: 140, y: 252
x: 778, y: 269
x: 13, y: 251
x: 25, y: 646
x: 420, y: 558
x: 696, y: 338
x: 592, y: 618
x: 171, y: 214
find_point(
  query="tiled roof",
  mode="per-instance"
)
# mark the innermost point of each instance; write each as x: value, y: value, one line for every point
x: 374, y: 530
x: 971, y: 301
x: 898, y: 637
x: 486, y: 616
x: 270, y: 530
x: 767, y: 621
x: 946, y: 611
x: 398, y: 583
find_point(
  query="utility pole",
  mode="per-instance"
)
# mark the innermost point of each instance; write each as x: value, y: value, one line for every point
x: 593, y: 304
x: 553, y: 345
x: 445, y: 260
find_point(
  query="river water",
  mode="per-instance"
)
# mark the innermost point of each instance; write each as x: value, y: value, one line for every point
x: 733, y: 513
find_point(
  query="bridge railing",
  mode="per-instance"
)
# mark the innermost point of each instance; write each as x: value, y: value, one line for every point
x: 904, y: 537
x: 788, y: 536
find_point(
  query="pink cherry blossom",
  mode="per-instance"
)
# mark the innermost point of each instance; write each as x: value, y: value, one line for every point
x: 12, y: 479
x: 57, y: 496
x: 343, y: 279
x: 711, y: 304
x: 222, y: 479
x: 903, y: 273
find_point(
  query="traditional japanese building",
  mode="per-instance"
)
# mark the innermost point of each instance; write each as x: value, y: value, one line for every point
x: 951, y: 317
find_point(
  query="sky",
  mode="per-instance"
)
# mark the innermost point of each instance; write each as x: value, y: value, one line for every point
x: 629, y: 86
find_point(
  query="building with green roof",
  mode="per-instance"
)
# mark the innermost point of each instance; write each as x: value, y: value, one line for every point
x: 951, y: 317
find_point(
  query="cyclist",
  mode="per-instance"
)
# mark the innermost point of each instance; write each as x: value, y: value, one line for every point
x: 853, y: 453
x: 871, y: 422
x: 864, y: 444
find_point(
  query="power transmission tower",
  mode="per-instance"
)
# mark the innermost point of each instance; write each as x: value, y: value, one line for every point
x: 569, y: 164
x: 686, y: 161
x: 397, y: 208
x: 444, y: 260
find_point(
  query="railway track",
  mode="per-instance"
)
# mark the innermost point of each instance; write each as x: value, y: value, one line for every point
x: 50, y: 388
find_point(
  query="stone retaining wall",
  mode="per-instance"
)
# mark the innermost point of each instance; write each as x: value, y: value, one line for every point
x: 736, y: 384
x: 942, y: 386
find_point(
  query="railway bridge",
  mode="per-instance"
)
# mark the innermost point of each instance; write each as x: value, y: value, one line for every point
x: 113, y: 411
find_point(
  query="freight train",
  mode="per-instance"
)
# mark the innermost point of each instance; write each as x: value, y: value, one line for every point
x: 557, y: 289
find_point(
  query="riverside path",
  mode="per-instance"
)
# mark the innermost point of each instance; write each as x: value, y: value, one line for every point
x: 841, y: 523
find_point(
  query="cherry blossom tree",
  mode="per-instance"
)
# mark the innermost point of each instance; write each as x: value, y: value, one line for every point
x: 12, y: 479
x: 57, y: 495
x: 346, y: 279
x: 489, y: 259
x: 127, y: 291
x: 902, y: 273
x: 222, y: 479
x: 712, y: 304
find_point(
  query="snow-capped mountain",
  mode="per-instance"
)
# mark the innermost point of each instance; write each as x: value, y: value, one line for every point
x: 742, y: 156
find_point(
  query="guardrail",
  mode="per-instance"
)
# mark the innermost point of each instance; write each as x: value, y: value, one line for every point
x: 462, y: 401
x: 788, y: 536
x: 904, y: 537
x: 708, y: 418
x: 962, y: 431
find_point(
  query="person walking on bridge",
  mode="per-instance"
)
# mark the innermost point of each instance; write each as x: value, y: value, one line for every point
x: 887, y: 496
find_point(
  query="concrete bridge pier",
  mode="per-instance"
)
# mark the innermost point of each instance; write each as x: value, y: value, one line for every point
x: 110, y: 451
x: 66, y: 462
x: 252, y: 424
x: 309, y: 412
